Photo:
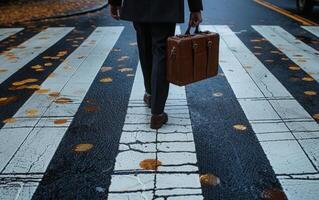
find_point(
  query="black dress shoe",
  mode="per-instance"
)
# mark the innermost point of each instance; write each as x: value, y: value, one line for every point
x: 147, y: 100
x: 157, y: 121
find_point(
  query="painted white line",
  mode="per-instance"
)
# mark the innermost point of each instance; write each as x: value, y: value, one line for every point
x: 173, y: 145
x: 7, y: 32
x: 300, y: 53
x: 312, y: 29
x: 29, y: 150
x: 270, y: 119
x: 13, y: 60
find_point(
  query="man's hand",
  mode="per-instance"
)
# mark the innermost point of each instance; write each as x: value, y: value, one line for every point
x: 115, y: 12
x: 195, y: 19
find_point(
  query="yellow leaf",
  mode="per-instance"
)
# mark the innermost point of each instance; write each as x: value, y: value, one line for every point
x: 310, y: 93
x: 48, y: 64
x: 82, y: 147
x: 19, y: 83
x: 31, y: 112
x: 308, y: 79
x: 42, y: 91
x: 106, y: 80
x: 36, y: 67
x: 240, y: 127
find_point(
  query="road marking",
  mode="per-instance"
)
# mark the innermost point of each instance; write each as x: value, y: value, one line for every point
x: 300, y: 53
x: 275, y: 116
x: 27, y: 147
x: 291, y: 15
x: 312, y: 29
x: 172, y: 145
x: 16, y: 58
x: 7, y: 32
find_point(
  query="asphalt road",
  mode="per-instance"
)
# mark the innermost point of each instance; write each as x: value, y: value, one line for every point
x: 73, y: 125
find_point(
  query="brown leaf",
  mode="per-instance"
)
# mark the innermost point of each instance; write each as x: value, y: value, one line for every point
x: 209, y: 180
x: 3, y: 70
x: 42, y: 91
x: 90, y: 108
x: 48, y: 64
x: 82, y: 147
x: 294, y: 67
x: 36, y: 67
x: 9, y: 120
x: 273, y: 194
x: 63, y: 100
x: 54, y: 94
x: 316, y: 116
x: 60, y: 121
x: 6, y: 100
x: 150, y: 164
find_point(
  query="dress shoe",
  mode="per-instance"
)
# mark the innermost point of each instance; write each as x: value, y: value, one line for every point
x: 147, y: 100
x: 157, y: 121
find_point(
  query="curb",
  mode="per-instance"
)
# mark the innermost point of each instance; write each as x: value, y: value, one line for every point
x: 68, y: 15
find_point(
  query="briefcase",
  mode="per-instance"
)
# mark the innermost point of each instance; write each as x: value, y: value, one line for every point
x: 192, y: 57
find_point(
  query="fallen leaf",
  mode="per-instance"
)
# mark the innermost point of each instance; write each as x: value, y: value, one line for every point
x: 106, y: 69
x: 54, y: 94
x: 39, y: 70
x: 240, y: 127
x: 3, y: 70
x: 31, y: 112
x: 209, y: 180
x: 36, y: 67
x: 294, y: 67
x: 316, y: 116
x: 90, y: 108
x: 63, y: 100
x: 48, y: 64
x: 310, y: 93
x: 60, y: 121
x: 116, y: 49
x: 6, y: 100
x: 284, y: 58
x: 126, y: 69
x: 257, y: 47
x: 82, y: 147
x: 106, y: 80
x: 19, y: 83
x: 269, y: 61
x: 257, y: 53
x: 275, y: 52
x: 150, y: 164
x: 9, y: 120
x: 273, y: 194
x: 42, y: 91
x: 308, y: 79
x: 122, y: 58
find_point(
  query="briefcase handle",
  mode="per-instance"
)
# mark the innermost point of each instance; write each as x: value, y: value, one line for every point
x: 188, y: 31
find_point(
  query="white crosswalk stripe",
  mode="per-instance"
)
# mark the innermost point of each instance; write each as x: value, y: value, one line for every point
x: 276, y: 117
x: 27, y: 146
x: 285, y: 130
x: 13, y: 60
x: 7, y: 32
x: 312, y: 29
x: 300, y: 53
x: 173, y: 145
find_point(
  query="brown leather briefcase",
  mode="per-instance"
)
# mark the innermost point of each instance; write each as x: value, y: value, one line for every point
x: 192, y: 57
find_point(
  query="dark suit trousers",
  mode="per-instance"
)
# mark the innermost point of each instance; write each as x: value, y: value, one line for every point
x: 151, y: 40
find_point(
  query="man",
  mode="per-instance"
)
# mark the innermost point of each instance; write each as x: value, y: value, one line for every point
x: 155, y: 21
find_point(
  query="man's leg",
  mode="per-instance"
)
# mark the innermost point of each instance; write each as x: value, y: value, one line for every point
x: 160, y: 86
x: 144, y: 41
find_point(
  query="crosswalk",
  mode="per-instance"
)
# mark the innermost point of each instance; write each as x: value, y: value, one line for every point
x: 288, y: 134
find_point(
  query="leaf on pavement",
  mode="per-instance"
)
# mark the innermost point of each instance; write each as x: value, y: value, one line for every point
x: 310, y: 93
x: 32, y: 112
x: 150, y: 164
x: 240, y: 127
x: 209, y: 180
x: 9, y: 120
x: 106, y: 69
x: 123, y: 58
x: 82, y: 147
x: 19, y: 83
x: 106, y: 80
